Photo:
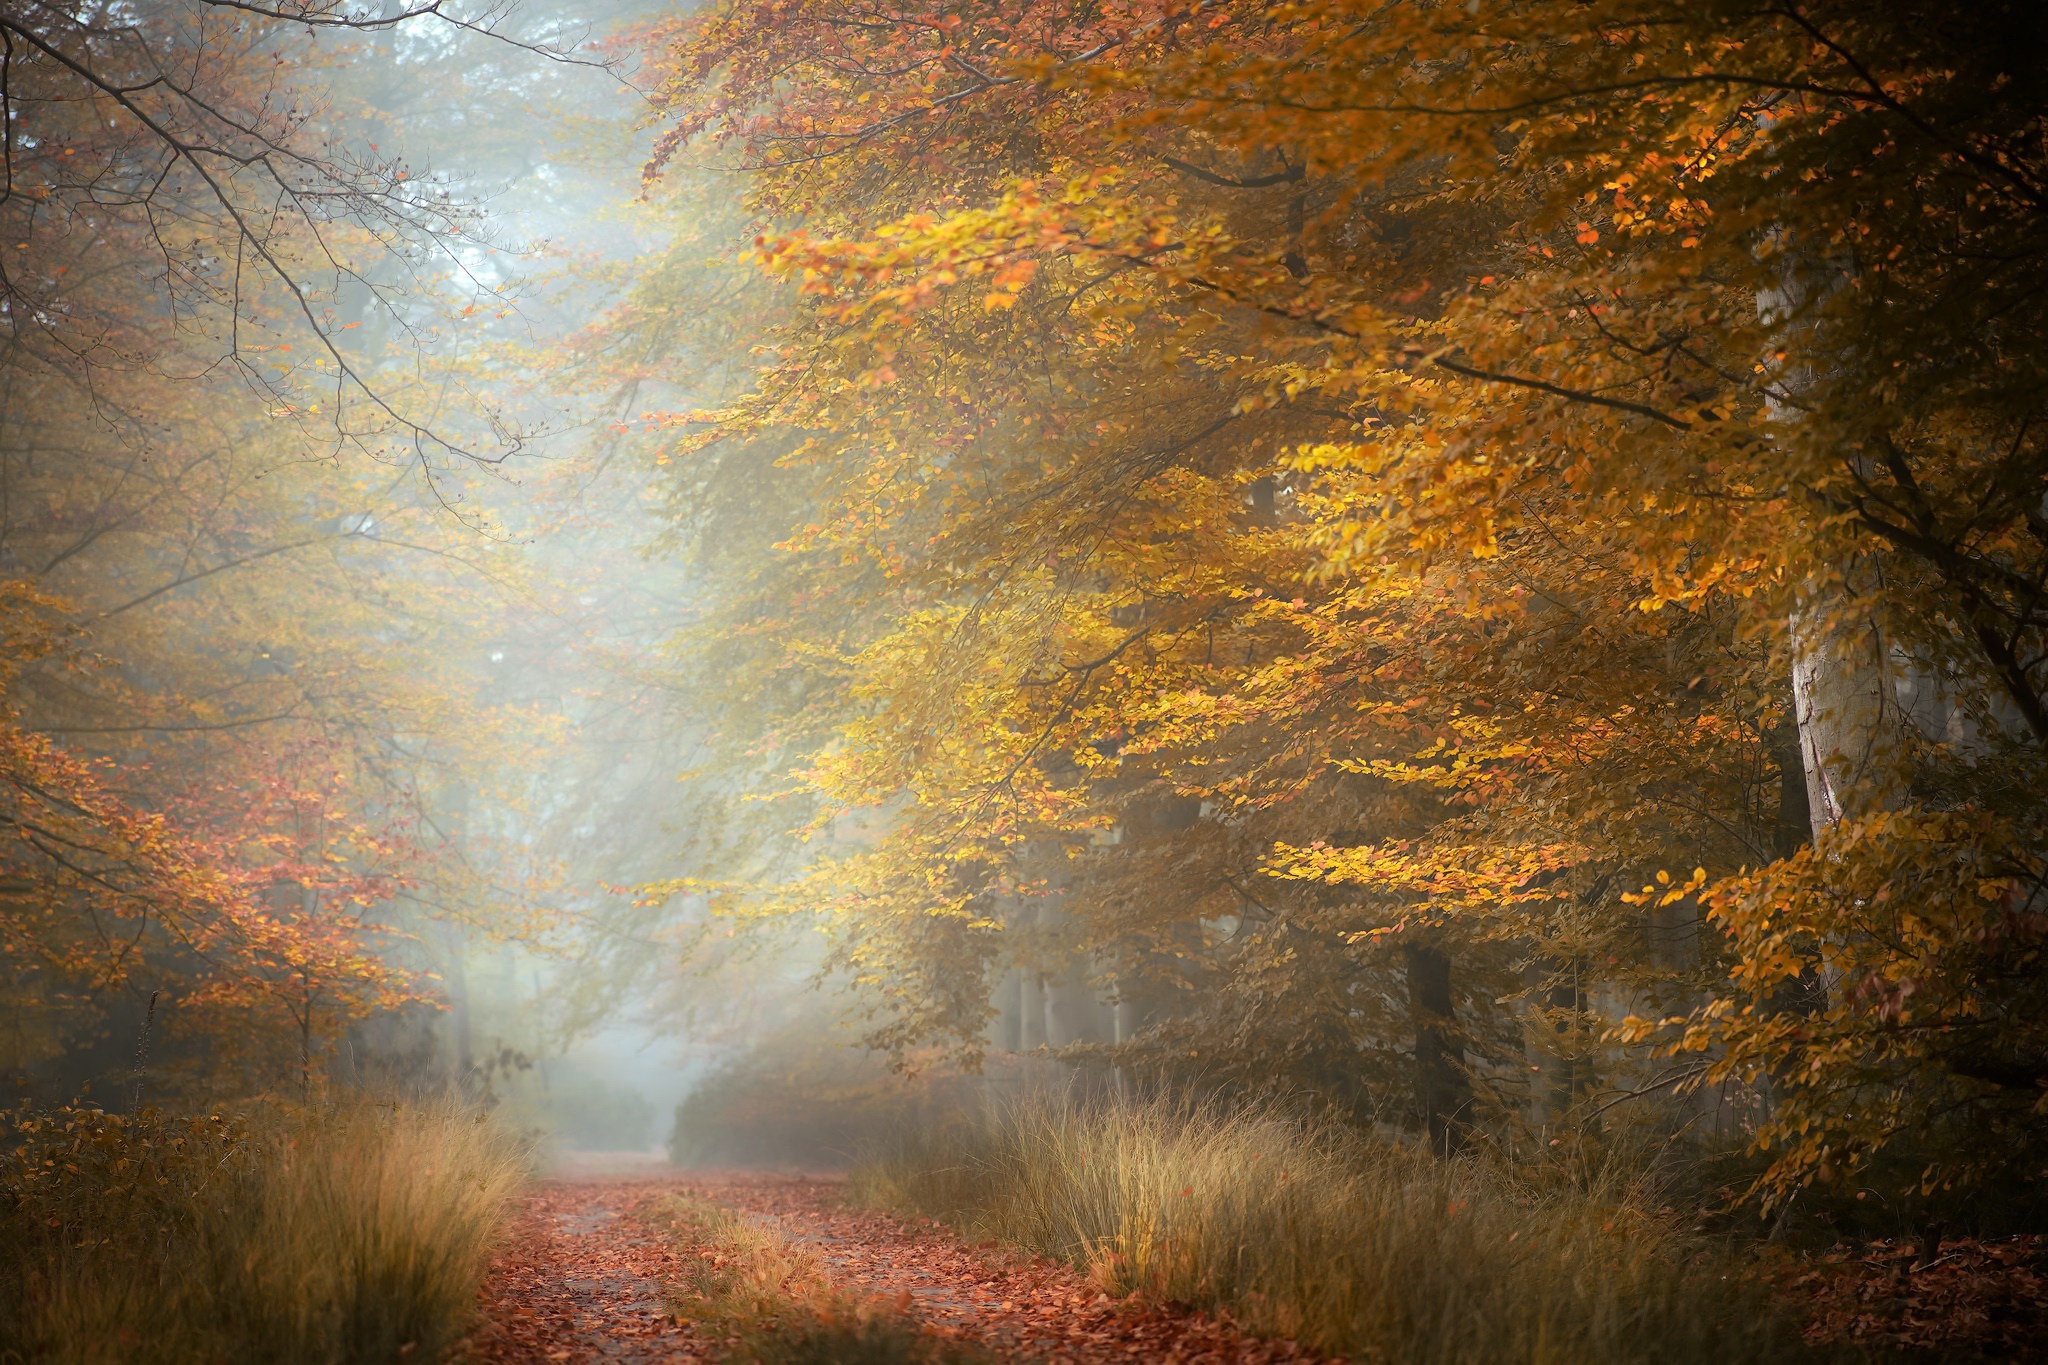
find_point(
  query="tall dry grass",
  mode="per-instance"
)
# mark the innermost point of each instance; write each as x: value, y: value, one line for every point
x: 327, y: 1237
x: 1361, y: 1248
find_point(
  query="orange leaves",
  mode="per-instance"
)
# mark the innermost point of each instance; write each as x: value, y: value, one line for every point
x: 1890, y: 907
x: 911, y: 264
x: 1008, y: 281
x: 1459, y: 884
x: 209, y: 877
x: 1665, y: 893
x: 247, y: 890
x: 1455, y: 611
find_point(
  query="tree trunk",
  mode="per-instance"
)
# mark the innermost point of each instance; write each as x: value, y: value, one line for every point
x: 1570, y: 1070
x: 1843, y: 689
x: 1794, y: 827
x: 1851, y: 727
x: 1441, y: 1091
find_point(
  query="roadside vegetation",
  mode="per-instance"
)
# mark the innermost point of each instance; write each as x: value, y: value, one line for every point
x: 1364, y: 1248
x: 321, y: 1235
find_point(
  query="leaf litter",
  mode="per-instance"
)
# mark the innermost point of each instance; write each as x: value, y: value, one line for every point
x: 589, y: 1272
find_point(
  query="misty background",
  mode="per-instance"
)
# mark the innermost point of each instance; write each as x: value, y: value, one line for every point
x: 477, y: 625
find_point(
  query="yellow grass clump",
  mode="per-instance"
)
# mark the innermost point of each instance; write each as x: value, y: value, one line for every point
x: 1364, y: 1248
x: 764, y: 1299
x: 315, y: 1236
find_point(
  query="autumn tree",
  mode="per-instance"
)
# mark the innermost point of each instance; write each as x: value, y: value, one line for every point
x: 239, y: 537
x: 1436, y: 440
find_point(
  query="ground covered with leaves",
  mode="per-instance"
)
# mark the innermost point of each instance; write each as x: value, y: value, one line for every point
x: 1987, y: 1299
x: 601, y: 1270
x: 661, y: 1269
x: 580, y: 1278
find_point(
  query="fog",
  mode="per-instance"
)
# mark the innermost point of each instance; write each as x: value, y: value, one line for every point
x: 428, y: 562
x: 592, y: 1023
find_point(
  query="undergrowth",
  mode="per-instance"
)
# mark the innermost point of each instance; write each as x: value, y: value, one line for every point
x: 1358, y: 1247
x: 764, y: 1299
x: 324, y: 1236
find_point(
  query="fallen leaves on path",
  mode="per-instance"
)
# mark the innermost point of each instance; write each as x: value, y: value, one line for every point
x: 1007, y: 1304
x: 582, y: 1277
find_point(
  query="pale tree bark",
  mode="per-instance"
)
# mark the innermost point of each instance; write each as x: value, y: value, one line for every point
x: 1845, y: 684
x: 1843, y: 694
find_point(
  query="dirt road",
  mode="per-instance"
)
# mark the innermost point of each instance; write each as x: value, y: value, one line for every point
x: 583, y: 1275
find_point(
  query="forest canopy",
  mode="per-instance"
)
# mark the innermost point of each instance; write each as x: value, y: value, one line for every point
x: 1466, y: 560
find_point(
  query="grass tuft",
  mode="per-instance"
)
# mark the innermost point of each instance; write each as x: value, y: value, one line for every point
x: 765, y: 1299
x: 318, y: 1238
x: 1357, y: 1247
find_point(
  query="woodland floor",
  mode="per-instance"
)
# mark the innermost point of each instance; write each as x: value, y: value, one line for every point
x: 584, y: 1277
x: 581, y: 1279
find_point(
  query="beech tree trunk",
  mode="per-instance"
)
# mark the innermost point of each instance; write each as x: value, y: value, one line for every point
x: 1843, y: 691
x: 1844, y: 697
x: 1442, y: 1092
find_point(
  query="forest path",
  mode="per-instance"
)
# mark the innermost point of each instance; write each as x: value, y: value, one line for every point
x: 581, y: 1280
